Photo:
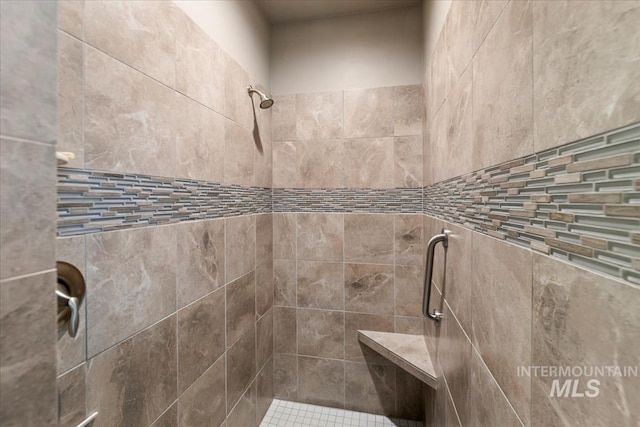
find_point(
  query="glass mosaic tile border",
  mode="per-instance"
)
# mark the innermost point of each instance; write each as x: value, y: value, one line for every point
x: 348, y: 200
x: 95, y: 202
x: 579, y: 202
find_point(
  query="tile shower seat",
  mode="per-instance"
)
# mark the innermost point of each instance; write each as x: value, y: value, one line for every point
x: 409, y: 352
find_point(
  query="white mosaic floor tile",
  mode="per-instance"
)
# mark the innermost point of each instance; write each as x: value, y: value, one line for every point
x: 282, y: 413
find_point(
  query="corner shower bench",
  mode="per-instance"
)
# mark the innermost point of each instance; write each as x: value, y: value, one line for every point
x: 408, y: 352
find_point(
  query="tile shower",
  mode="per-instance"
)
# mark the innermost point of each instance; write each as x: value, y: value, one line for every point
x: 231, y: 254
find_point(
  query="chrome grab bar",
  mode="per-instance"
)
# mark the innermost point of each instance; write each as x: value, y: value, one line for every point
x: 88, y: 420
x: 428, y: 274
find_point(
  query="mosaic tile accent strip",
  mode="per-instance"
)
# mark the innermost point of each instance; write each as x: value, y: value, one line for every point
x: 94, y: 202
x: 579, y: 202
x: 345, y: 200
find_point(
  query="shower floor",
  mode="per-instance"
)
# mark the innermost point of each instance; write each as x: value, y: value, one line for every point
x: 282, y: 413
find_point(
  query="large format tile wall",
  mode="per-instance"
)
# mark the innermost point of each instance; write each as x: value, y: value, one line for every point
x: 346, y: 165
x: 177, y: 323
x: 28, y: 49
x: 510, y: 85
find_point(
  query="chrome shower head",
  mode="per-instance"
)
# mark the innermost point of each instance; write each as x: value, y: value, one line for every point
x: 265, y: 100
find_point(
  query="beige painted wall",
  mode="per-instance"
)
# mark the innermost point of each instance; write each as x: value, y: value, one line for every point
x: 351, y: 52
x: 239, y: 28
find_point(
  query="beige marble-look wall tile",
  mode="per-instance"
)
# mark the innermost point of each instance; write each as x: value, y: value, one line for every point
x: 263, y: 148
x: 72, y: 396
x: 454, y: 355
x: 265, y: 391
x: 264, y: 339
x: 319, y: 115
x: 452, y: 415
x: 320, y: 285
x: 407, y: 110
x: 240, y: 248
x: 284, y: 283
x: 408, y: 161
x: 27, y: 208
x: 502, y: 87
x: 427, y: 160
x: 369, y: 288
x: 140, y: 34
x: 70, y: 97
x: 285, y: 376
x: 131, y: 283
x: 238, y: 104
x: 437, y: 141
x: 440, y: 81
x: 128, y: 122
x: 70, y: 17
x: 353, y: 350
x: 200, y: 261
x: 320, y: 164
x: 241, y: 367
x: 454, y: 155
x: 570, y: 328
x: 409, y: 401
x: 369, y: 238
x: 321, y: 381
x: 201, y: 142
x: 370, y: 388
x: 409, y: 325
x: 321, y: 333
x: 199, y: 64
x: 169, y: 418
x: 285, y: 167
x: 320, y: 236
x: 368, y: 113
x: 239, y: 150
x: 459, y: 275
x: 459, y: 37
x: 145, y: 384
x: 205, y: 401
x: 501, y: 315
x: 488, y: 406
x: 244, y: 413
x: 73, y: 351
x: 201, y: 337
x: 284, y: 235
x: 27, y: 360
x: 240, y: 307
x: 586, y: 78
x: 264, y: 287
x: 264, y: 238
x: 435, y: 406
x: 409, y: 238
x: 284, y: 118
x: 285, y: 330
x: 409, y: 280
x: 485, y: 15
x: 28, y: 64
x: 368, y: 163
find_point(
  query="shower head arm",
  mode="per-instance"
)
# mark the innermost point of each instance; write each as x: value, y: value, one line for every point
x: 265, y: 100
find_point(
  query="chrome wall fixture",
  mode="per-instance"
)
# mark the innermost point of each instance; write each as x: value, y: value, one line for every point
x: 426, y: 298
x: 265, y: 100
x: 70, y: 293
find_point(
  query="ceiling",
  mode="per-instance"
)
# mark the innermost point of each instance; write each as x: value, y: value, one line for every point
x: 286, y: 11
